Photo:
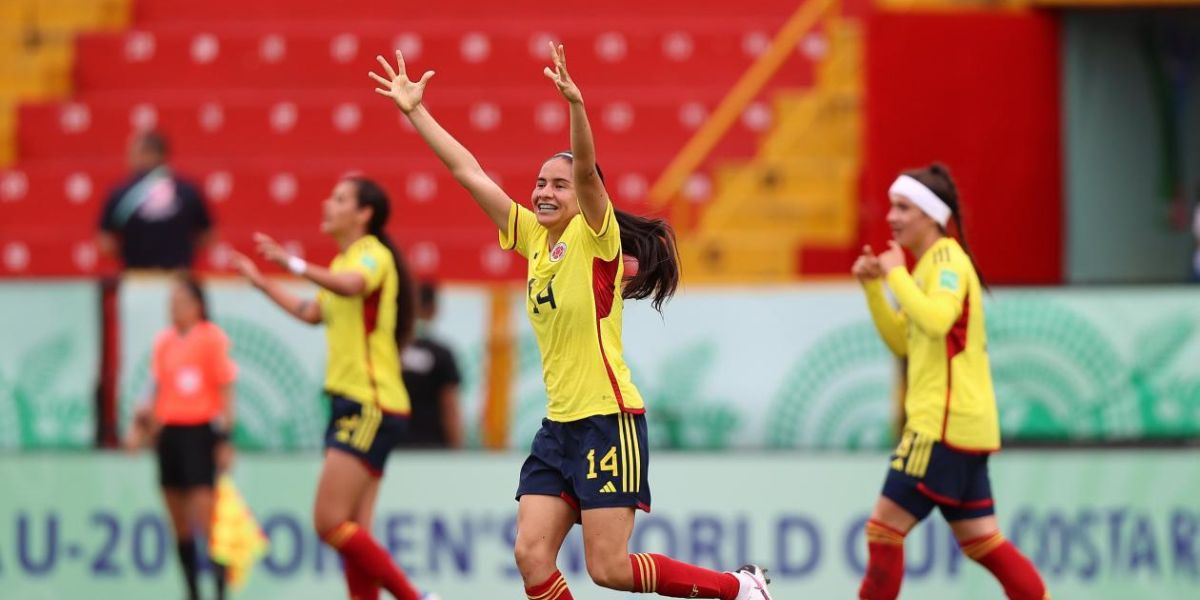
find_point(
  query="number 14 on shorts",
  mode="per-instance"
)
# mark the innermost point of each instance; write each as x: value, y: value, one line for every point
x: 608, y: 463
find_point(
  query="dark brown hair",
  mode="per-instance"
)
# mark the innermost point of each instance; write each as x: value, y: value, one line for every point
x: 195, y: 290
x: 937, y: 178
x: 652, y: 243
x: 371, y: 195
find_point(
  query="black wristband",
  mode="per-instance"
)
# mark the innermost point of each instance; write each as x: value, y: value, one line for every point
x: 220, y: 433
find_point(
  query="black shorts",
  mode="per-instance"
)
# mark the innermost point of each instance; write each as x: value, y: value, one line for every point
x: 925, y: 473
x: 597, y: 462
x: 187, y: 456
x: 363, y: 430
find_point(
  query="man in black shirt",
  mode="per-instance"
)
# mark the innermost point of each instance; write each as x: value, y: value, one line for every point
x: 154, y: 220
x: 432, y: 378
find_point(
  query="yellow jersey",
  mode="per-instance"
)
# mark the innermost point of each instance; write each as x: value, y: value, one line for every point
x: 363, y: 361
x: 573, y: 301
x: 939, y: 327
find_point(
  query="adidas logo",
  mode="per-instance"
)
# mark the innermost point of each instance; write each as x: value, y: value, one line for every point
x: 608, y: 488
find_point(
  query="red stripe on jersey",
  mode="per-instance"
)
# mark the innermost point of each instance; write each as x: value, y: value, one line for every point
x: 604, y: 289
x: 371, y: 310
x: 604, y: 285
x: 956, y: 342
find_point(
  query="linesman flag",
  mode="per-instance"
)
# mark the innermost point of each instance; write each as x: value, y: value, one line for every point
x: 237, y: 540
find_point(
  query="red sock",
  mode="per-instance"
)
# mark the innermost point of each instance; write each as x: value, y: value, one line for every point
x: 554, y: 588
x: 885, y: 566
x: 657, y: 574
x: 359, y: 550
x: 1018, y: 576
x: 361, y: 586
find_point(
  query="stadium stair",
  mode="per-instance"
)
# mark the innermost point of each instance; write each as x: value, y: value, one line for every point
x: 800, y: 190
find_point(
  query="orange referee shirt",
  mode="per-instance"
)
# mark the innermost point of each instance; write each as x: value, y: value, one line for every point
x: 190, y: 369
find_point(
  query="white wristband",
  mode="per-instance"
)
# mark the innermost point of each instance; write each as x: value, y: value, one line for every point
x: 297, y: 265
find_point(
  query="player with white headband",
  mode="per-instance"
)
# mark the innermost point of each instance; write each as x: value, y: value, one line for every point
x: 951, y: 426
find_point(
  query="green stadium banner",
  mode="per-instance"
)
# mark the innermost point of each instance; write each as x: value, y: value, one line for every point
x: 802, y: 367
x: 1101, y: 525
x: 281, y: 361
x: 755, y: 367
x: 49, y: 360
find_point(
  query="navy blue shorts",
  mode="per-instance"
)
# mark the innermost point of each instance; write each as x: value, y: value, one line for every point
x: 364, y: 431
x: 925, y: 473
x: 597, y: 462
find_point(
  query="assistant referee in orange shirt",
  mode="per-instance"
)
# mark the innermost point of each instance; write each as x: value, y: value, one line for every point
x: 191, y: 414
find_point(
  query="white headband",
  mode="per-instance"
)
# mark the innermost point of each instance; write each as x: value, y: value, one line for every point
x: 923, y: 197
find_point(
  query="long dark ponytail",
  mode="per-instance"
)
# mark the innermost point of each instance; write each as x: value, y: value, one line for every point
x: 937, y: 178
x: 652, y: 243
x: 371, y: 195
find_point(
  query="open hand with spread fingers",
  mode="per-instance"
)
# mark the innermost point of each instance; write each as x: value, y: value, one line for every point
x: 270, y: 249
x: 396, y: 85
x: 560, y: 77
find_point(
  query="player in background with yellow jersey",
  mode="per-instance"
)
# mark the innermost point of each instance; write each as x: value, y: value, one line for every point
x: 951, y: 426
x: 589, y: 463
x: 366, y: 301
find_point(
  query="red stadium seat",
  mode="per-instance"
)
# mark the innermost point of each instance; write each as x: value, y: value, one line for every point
x: 278, y: 58
x: 267, y: 103
x: 318, y: 11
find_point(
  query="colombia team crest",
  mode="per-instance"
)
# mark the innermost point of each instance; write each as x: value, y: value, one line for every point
x: 557, y: 252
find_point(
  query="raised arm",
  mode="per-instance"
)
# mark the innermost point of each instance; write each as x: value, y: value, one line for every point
x: 889, y: 322
x: 407, y: 95
x: 342, y: 284
x: 593, y: 198
x: 304, y: 309
x: 933, y: 313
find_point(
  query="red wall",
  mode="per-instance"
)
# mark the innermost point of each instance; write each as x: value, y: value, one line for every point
x: 979, y: 92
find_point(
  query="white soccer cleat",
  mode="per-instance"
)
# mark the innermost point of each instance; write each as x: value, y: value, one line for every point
x: 754, y: 583
x: 429, y: 596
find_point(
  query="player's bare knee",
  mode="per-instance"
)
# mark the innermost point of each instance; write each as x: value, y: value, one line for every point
x: 534, y: 557
x: 326, y: 518
x: 611, y: 571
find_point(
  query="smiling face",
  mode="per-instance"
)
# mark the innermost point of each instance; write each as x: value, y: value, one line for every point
x: 553, y: 199
x: 341, y: 214
x: 911, y: 227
